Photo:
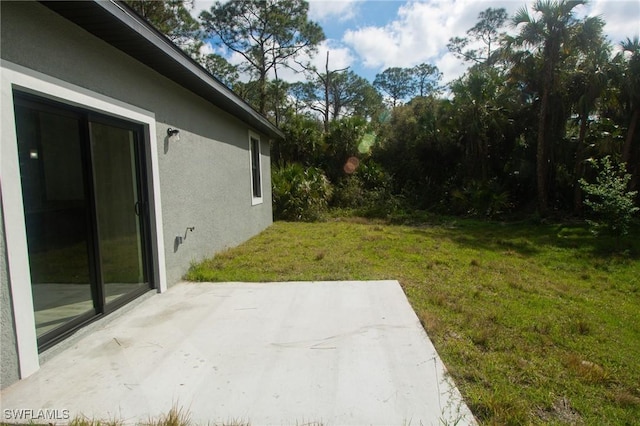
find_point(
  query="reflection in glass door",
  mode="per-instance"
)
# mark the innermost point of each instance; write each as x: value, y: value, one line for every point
x: 55, y: 209
x: 118, y: 209
x: 85, y: 216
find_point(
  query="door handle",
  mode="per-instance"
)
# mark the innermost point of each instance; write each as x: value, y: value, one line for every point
x: 136, y: 208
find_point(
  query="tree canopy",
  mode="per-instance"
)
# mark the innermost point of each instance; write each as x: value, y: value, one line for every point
x: 267, y: 34
x: 516, y: 133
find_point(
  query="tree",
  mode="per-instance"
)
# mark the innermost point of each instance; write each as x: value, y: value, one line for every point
x: 486, y: 31
x: 341, y: 143
x: 267, y: 33
x: 302, y: 143
x: 425, y: 79
x: 548, y: 34
x: 316, y: 93
x: 220, y: 68
x: 413, y: 149
x: 173, y: 19
x: 351, y: 95
x: 335, y: 94
x: 588, y: 82
x: 630, y: 93
x: 396, y: 83
x: 480, y: 106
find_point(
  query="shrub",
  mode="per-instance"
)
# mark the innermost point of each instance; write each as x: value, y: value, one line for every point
x: 367, y: 190
x: 611, y: 204
x: 349, y: 193
x: 299, y: 193
x: 480, y: 199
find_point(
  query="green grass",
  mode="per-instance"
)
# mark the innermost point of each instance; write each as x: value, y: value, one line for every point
x: 536, y: 323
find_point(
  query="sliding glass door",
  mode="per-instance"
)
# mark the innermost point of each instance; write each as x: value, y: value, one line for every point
x: 118, y: 209
x: 85, y: 213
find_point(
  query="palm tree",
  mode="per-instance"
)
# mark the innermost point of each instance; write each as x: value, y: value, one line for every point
x: 549, y: 31
x: 588, y: 83
x: 480, y: 101
x: 631, y: 93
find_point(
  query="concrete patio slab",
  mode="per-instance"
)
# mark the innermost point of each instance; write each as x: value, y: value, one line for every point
x: 330, y: 353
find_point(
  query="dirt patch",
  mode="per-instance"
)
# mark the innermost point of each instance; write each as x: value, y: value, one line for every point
x: 561, y: 411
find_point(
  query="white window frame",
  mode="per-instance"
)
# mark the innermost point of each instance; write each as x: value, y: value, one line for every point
x: 15, y: 77
x: 254, y: 199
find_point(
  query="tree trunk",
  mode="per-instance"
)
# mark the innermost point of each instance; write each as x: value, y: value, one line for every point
x: 578, y: 170
x: 542, y: 152
x: 262, y: 102
x: 276, y: 106
x: 542, y: 166
x: 627, y: 151
x: 326, y: 94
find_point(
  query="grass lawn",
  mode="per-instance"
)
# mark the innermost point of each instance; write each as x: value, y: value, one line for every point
x: 536, y: 323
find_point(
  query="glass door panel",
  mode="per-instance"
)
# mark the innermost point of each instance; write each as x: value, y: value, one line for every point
x: 55, y: 208
x: 118, y: 209
x: 83, y: 191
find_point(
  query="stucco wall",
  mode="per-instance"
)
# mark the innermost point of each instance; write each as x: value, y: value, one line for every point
x: 204, y: 178
x: 8, y: 355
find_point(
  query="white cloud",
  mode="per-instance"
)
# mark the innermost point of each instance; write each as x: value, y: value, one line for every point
x: 200, y: 5
x: 374, y: 45
x: 339, y: 57
x: 622, y: 18
x: 418, y: 34
x: 451, y: 67
x: 421, y: 29
x: 324, y: 10
x: 207, y: 48
x: 319, y: 10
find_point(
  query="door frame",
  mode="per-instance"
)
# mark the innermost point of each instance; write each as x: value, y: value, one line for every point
x: 96, y: 282
x: 143, y: 191
x: 14, y: 77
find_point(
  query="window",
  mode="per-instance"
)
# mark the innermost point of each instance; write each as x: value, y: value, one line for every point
x: 256, y: 169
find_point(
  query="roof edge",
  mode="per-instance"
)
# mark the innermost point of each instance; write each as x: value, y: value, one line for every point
x: 215, y: 92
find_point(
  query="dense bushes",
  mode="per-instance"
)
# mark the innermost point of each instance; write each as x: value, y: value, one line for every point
x: 299, y: 193
x: 305, y: 194
x: 480, y: 199
x: 316, y: 171
x: 367, y: 191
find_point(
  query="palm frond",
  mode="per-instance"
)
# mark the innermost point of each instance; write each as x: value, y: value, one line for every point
x: 521, y: 16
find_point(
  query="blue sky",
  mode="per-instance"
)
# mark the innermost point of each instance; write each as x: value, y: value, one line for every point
x: 371, y: 35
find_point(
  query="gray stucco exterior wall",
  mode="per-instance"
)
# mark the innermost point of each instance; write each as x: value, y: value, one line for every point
x: 8, y: 353
x: 205, y: 177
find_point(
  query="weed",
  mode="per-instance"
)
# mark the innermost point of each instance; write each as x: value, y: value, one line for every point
x: 481, y: 338
x: 561, y: 411
x: 587, y: 370
x: 85, y: 421
x: 580, y: 326
x: 626, y: 398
